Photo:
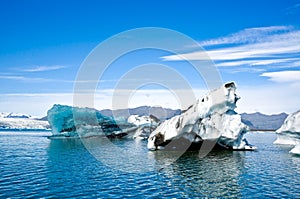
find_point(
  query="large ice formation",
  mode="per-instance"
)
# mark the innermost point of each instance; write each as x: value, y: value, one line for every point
x: 210, y: 119
x: 145, y: 124
x: 289, y: 132
x: 67, y: 121
x: 13, y: 121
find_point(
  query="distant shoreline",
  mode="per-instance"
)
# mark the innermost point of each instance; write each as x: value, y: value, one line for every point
x: 3, y: 129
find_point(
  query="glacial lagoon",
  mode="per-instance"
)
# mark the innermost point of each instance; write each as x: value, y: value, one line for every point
x: 33, y: 166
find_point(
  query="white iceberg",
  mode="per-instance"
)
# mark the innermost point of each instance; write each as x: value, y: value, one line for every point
x: 146, y: 124
x: 289, y: 132
x: 296, y: 150
x: 67, y: 121
x: 210, y: 119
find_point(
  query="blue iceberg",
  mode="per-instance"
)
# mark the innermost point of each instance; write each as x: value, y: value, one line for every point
x: 68, y: 121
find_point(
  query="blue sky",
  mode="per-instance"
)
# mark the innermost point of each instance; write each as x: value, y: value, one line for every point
x: 254, y: 43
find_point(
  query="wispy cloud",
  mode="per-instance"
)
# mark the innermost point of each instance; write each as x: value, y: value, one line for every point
x: 281, y: 62
x: 271, y: 47
x: 283, y: 76
x: 45, y: 80
x: 249, y: 35
x: 277, y: 45
x: 43, y: 68
x: 33, y: 79
x: 27, y: 79
x: 293, y: 9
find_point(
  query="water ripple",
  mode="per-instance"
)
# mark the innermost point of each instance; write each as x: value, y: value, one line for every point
x: 35, y: 167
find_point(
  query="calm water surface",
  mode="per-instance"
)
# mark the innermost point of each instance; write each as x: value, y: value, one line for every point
x: 32, y: 166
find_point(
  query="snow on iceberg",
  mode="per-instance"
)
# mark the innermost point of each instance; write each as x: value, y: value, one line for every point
x: 210, y: 119
x: 289, y: 132
x: 296, y: 150
x: 67, y: 121
x: 146, y: 124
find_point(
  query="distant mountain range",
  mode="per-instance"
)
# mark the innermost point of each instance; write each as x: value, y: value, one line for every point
x: 259, y: 121
x: 159, y: 112
x: 15, y: 121
x: 256, y: 121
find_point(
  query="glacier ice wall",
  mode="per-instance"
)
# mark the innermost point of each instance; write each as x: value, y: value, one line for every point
x: 210, y: 118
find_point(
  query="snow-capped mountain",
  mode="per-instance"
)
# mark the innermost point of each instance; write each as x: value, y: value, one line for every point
x: 21, y: 121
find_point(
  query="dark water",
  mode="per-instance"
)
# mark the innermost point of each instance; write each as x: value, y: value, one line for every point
x: 32, y: 166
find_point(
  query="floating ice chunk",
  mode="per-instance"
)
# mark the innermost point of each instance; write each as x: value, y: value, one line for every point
x: 67, y: 121
x: 296, y: 150
x: 289, y: 132
x: 291, y: 123
x: 142, y: 120
x: 145, y: 124
x: 211, y: 118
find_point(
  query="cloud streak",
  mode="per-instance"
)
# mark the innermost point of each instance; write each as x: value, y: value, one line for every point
x: 293, y: 9
x: 274, y: 46
x: 44, y: 68
x: 281, y: 62
x: 249, y: 35
x: 49, y: 80
x: 283, y: 76
x: 27, y: 79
